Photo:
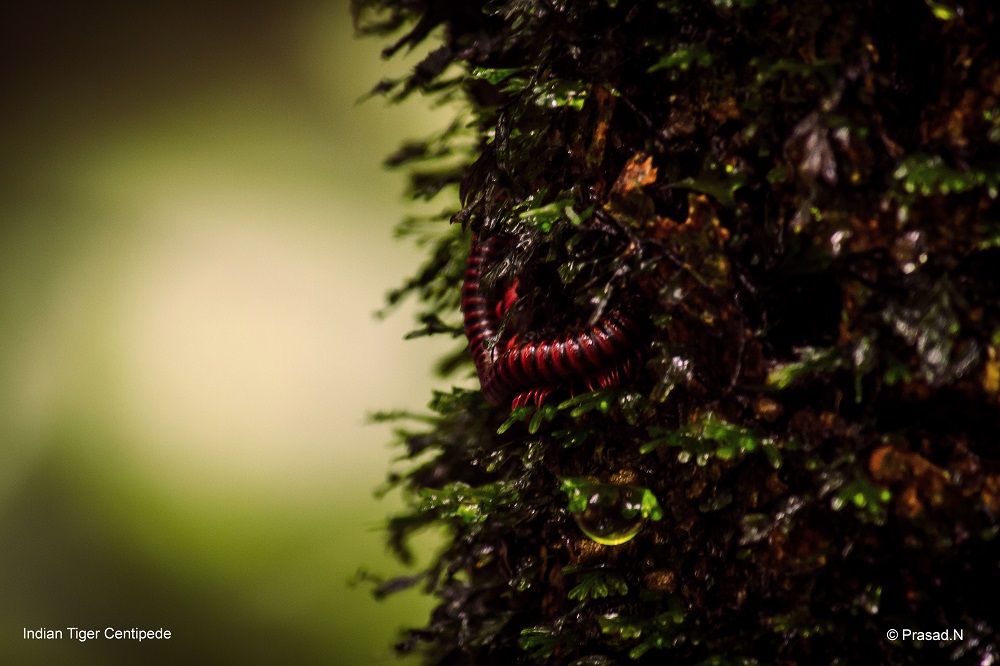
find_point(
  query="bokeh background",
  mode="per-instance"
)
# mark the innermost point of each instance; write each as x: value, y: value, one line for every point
x: 196, y: 231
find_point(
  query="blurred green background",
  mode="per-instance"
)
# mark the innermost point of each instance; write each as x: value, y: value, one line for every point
x: 196, y: 230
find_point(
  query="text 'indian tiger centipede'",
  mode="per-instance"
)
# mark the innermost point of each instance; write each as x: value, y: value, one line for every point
x: 524, y: 372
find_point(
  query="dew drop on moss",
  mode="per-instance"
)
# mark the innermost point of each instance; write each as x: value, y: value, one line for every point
x: 613, y: 515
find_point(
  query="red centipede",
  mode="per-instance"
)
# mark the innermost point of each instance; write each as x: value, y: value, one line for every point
x: 597, y: 356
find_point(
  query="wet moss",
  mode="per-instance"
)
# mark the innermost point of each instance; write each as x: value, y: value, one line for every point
x: 801, y: 201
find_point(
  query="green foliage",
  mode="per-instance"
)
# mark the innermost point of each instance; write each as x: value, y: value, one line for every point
x: 461, y: 501
x: 696, y: 55
x: 644, y: 634
x: 601, y: 401
x: 598, y: 585
x: 810, y: 362
x: 709, y: 435
x: 539, y: 642
x: 799, y: 201
x: 868, y: 498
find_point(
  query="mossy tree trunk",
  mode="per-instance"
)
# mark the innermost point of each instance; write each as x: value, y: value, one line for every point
x: 796, y: 204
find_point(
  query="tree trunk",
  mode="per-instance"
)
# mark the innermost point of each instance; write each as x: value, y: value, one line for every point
x: 730, y: 275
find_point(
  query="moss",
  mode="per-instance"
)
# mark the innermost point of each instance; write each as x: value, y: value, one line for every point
x: 800, y: 199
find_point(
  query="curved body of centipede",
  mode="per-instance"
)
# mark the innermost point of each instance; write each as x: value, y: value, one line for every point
x: 597, y: 356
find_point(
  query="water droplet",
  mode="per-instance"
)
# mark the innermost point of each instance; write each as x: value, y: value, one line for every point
x: 756, y: 527
x: 870, y: 598
x: 910, y: 251
x: 837, y: 240
x: 614, y: 513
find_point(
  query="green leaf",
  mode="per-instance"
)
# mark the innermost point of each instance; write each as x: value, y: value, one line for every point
x: 811, y: 361
x: 942, y: 11
x: 539, y: 641
x: 695, y: 55
x: 493, y: 76
x: 598, y: 585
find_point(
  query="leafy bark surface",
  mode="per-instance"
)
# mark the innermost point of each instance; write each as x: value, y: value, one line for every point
x: 800, y: 199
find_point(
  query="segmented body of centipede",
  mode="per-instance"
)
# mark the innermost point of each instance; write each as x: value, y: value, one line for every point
x: 524, y: 372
